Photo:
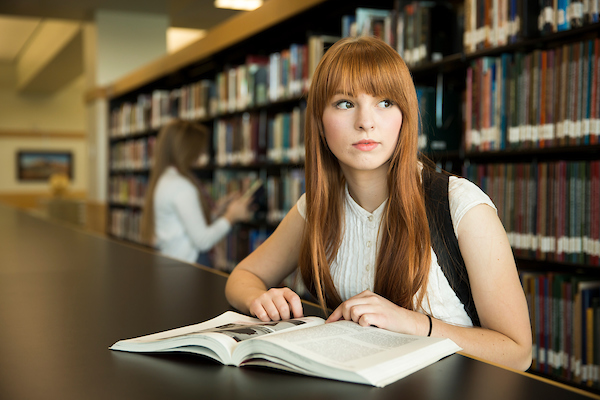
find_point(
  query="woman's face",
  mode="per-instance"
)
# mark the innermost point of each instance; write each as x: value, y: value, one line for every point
x: 361, y: 130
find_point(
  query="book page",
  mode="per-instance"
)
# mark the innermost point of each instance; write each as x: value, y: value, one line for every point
x: 350, y: 348
x: 333, y: 341
x: 231, y: 333
x: 220, y: 334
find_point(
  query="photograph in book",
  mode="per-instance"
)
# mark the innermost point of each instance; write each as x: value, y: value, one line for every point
x: 341, y: 350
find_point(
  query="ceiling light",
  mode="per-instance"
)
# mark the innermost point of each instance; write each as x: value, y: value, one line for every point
x: 246, y: 5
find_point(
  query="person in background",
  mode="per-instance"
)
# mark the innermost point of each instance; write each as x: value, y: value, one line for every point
x: 178, y: 211
x: 360, y: 235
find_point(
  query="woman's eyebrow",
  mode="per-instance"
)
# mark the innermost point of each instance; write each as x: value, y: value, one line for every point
x: 342, y: 93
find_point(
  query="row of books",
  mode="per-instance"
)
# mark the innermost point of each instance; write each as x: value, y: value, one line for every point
x: 544, y: 98
x: 137, y: 155
x: 565, y: 319
x: 256, y: 137
x: 492, y: 23
x: 283, y: 192
x: 259, y: 81
x: 272, y: 202
x: 240, y: 242
x: 134, y: 154
x: 127, y: 189
x: 562, y: 15
x: 549, y: 210
x: 277, y: 196
x: 231, y: 250
x: 125, y: 224
x: 409, y: 29
x: 225, y: 182
x: 253, y: 138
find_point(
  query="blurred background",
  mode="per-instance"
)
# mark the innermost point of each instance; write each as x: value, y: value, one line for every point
x: 53, y: 55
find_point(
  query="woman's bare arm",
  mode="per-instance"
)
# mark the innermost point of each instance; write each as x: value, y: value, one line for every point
x: 505, y: 335
x: 249, y: 286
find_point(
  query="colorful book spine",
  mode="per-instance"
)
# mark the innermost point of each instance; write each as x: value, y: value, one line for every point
x: 512, y: 102
x: 550, y: 210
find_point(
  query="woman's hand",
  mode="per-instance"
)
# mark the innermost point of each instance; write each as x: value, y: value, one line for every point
x: 277, y: 304
x: 370, y: 309
x: 222, y: 203
x: 239, y: 209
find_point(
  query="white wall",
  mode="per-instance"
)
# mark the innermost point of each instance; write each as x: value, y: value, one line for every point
x: 127, y: 41
x: 116, y: 45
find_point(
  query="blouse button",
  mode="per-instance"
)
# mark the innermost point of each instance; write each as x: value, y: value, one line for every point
x: 370, y: 218
x: 369, y: 244
x: 368, y: 267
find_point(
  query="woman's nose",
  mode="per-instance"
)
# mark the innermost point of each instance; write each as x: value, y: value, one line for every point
x: 364, y: 119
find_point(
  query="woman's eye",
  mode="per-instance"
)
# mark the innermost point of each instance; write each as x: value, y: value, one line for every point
x: 344, y: 104
x: 385, y: 103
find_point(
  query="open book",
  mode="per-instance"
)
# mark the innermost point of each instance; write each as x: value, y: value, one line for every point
x: 340, y: 350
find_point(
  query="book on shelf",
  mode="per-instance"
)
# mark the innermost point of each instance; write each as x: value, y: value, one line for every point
x: 441, y: 117
x: 562, y: 311
x: 426, y: 99
x: 316, y: 48
x: 375, y: 22
x: 340, y: 350
x: 255, y: 137
x: 127, y: 189
x: 238, y: 244
x: 132, y: 154
x: 125, y: 224
x: 256, y: 69
x: 349, y: 26
x: 414, y: 37
x: 283, y: 192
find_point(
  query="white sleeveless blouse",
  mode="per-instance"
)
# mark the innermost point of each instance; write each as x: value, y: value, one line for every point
x: 353, y: 268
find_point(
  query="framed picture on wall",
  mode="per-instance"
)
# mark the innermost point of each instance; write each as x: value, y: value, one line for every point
x: 41, y: 165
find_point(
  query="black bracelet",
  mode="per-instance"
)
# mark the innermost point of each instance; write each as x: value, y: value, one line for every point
x: 430, y: 326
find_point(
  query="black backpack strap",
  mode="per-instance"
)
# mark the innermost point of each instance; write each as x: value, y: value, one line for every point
x: 444, y: 241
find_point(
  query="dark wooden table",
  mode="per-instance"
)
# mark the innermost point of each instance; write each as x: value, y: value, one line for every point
x: 66, y: 296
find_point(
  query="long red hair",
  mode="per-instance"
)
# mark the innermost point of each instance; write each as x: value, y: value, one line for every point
x: 369, y: 65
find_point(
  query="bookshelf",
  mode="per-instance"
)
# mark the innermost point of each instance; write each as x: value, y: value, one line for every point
x: 491, y: 130
x: 531, y: 142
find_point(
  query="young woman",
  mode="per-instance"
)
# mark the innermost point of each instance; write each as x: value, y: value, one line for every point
x: 177, y: 209
x: 360, y: 234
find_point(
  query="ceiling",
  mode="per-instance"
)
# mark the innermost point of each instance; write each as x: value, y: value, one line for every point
x: 198, y: 14
x: 20, y: 19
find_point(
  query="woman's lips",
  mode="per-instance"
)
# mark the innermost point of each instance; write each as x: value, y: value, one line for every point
x: 365, y: 145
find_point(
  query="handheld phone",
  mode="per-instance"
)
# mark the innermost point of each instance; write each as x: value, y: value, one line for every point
x: 252, y: 189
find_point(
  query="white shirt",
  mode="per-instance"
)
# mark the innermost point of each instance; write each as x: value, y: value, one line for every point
x: 353, y: 269
x: 179, y: 224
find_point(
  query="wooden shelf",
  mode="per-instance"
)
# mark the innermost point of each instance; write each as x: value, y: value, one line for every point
x: 232, y: 31
x: 583, y: 152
